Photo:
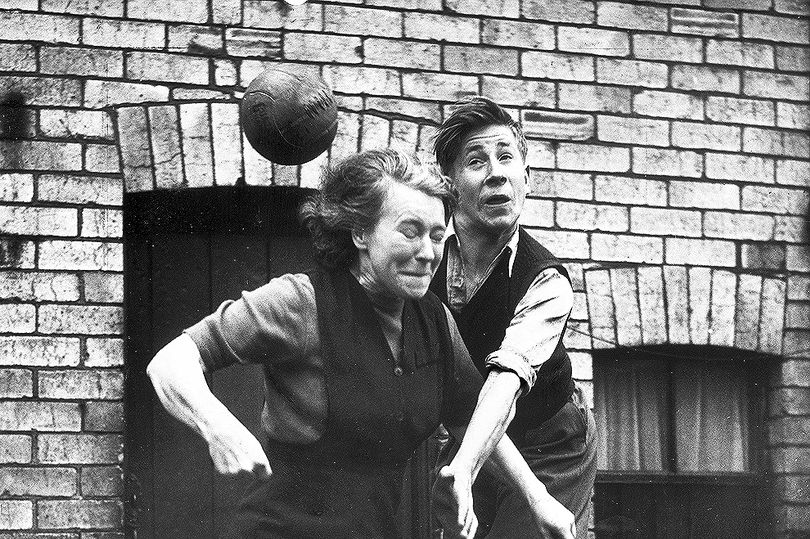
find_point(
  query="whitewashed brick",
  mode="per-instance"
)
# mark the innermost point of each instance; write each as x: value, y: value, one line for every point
x: 81, y: 384
x: 677, y: 293
x: 576, y: 11
x: 80, y: 189
x: 75, y: 123
x: 595, y: 41
x: 262, y: 14
x: 665, y: 222
x: 401, y: 53
x: 102, y: 223
x: 258, y: 170
x: 633, y: 130
x: 16, y: 514
x: 591, y: 97
x: 699, y: 304
x: 23, y: 57
x: 442, y: 27
x: 124, y: 33
x: 578, y: 216
x: 574, y: 244
x: 747, y: 314
x: 772, y: 315
x: 16, y: 187
x: 742, y: 111
x: 622, y: 15
x: 632, y: 73
x: 178, y: 10
x: 557, y: 66
x: 40, y: 155
x: 740, y: 53
x: 776, y: 85
x: 721, y: 328
x: 798, y: 287
x: 538, y: 213
x: 15, y: 449
x: 227, y: 141
x: 706, y: 78
x: 506, y: 8
x: 15, y: 384
x: 709, y: 136
x: 24, y: 220
x: 102, y: 287
x: 88, y: 320
x: 480, y: 59
x: 668, y: 47
x: 39, y: 286
x: 771, y: 28
x: 17, y: 317
x: 362, y: 21
x: 792, y: 172
x: 75, y: 61
x: 775, y: 200
x: 16, y: 253
x: 651, y: 305
x: 80, y: 255
x: 790, y: 229
x: 322, y: 47
x: 540, y: 154
x: 368, y: 80
x: 693, y: 251
x: 744, y: 226
x: 437, y: 86
x: 101, y: 158
x: 639, y: 191
x: 518, y: 92
x: 741, y: 168
x: 626, y: 248
x: 665, y: 162
x: 19, y: 26
x: 103, y: 93
x: 625, y: 297
x: 164, y: 134
x: 790, y: 58
x: 793, y: 115
x: 104, y: 352
x: 593, y: 157
x: 556, y: 184
x: 601, y: 308
x: 705, y: 23
x: 195, y: 121
x: 347, y: 138
x: 704, y: 195
x: 529, y: 34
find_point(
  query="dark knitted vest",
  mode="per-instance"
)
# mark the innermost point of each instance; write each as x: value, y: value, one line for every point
x: 483, y: 322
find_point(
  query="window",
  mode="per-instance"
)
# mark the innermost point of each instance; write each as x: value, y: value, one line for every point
x: 679, y: 443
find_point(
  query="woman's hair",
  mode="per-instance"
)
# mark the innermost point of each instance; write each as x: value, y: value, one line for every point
x: 471, y: 113
x: 352, y: 195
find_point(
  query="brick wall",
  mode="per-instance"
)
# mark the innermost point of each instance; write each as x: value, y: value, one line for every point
x: 669, y: 166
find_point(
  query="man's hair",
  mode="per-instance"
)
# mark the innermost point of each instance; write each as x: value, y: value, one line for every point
x: 471, y: 113
x: 352, y: 195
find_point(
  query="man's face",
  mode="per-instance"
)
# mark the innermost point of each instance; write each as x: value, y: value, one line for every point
x: 491, y: 177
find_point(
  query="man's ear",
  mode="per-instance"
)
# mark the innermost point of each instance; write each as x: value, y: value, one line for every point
x: 359, y: 239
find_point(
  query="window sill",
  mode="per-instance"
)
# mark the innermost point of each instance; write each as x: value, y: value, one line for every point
x: 699, y: 478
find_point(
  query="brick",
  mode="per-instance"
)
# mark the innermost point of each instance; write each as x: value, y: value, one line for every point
x: 368, y: 80
x: 791, y: 172
x: 478, y: 59
x: 625, y: 296
x: 16, y: 187
x: 794, y: 372
x: 521, y: 34
x: 665, y: 162
x: 92, y: 320
x: 792, y: 58
x: 39, y: 286
x: 81, y: 384
x: 362, y: 21
x: 699, y: 306
x: 321, y: 47
x: 43, y: 90
x: 26, y: 220
x: 709, y: 136
x: 796, y: 7
x: 104, y: 416
x: 795, y: 144
x: 74, y: 61
x: 16, y: 515
x: 582, y: 365
x: 198, y: 159
x: 528, y: 93
x: 75, y: 123
x: 80, y: 189
x: 102, y: 481
x: 261, y: 14
x: 763, y: 256
x: 409, y: 108
x: 225, y: 72
x: 576, y: 11
x: 667, y: 47
x: 540, y: 154
x: 102, y: 223
x: 772, y: 28
x: 80, y: 255
x: 15, y: 384
x: 404, y: 135
x: 375, y: 132
x: 601, y: 308
x: 124, y: 34
x: 798, y: 287
x: 741, y: 226
x: 438, y: 86
x: 539, y: 213
x: 792, y: 489
x: 704, y: 23
x: 400, y: 53
x: 590, y: 97
x: 164, y: 135
x: 775, y: 200
x: 790, y: 229
x: 619, y: 15
x: 102, y: 93
x: 573, y: 244
x: 258, y: 170
x: 39, y: 351
x: 550, y: 65
x: 178, y: 10
x: 746, y: 328
x: 790, y: 401
x: 159, y: 66
x: 441, y: 28
x: 101, y: 158
x: 705, y: 78
x: 104, y: 352
x: 692, y: 251
x: 423, y: 5
x: 16, y: 253
x: 721, y: 323
x: 668, y: 105
x: 79, y: 448
x: 626, y: 248
x: 798, y: 315
x: 504, y: 8
x: 792, y: 115
x: 557, y: 125
x: 747, y: 5
x: 595, y: 41
x: 633, y: 130
x: 79, y: 514
x: 593, y: 157
x: 726, y: 52
x: 227, y: 138
x: 788, y: 430
x: 742, y: 111
x: 40, y: 155
x: 776, y: 85
x: 737, y: 167
x: 39, y: 416
x: 25, y: 5
x: 651, y: 305
x: 17, y: 318
x: 38, y: 481
x: 17, y: 57
x: 665, y: 222
x: 105, y: 8
x: 18, y: 26
x: 347, y: 138
x: 631, y: 73
x: 630, y: 190
x: 677, y: 294
x: 556, y: 184
x: 15, y: 449
x: 704, y: 195
x: 196, y: 39
x: 578, y: 216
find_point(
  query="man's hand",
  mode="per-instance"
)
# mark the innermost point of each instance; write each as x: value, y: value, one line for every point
x: 235, y: 450
x: 453, y: 503
x: 552, y: 518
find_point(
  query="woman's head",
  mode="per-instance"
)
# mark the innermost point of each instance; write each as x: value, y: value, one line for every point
x: 353, y: 197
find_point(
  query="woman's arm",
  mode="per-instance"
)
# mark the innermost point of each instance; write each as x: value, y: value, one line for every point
x: 179, y: 380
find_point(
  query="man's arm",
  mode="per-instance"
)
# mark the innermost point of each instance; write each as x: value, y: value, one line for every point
x: 179, y: 380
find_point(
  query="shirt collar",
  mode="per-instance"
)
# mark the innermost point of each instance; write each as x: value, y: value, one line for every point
x: 512, y: 244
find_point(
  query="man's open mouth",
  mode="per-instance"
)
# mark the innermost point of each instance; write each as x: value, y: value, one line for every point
x: 496, y: 200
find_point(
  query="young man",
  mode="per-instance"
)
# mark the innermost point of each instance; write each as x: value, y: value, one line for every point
x: 511, y: 299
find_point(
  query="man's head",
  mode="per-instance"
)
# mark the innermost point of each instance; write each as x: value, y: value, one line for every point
x: 483, y: 150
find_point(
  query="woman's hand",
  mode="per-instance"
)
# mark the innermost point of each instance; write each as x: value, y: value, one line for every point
x: 235, y: 450
x: 453, y: 503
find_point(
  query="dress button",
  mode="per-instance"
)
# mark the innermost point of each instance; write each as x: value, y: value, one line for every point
x: 397, y: 371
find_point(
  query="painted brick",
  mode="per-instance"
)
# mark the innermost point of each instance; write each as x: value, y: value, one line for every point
x: 633, y: 130
x: 225, y: 72
x: 776, y: 85
x: 362, y: 21
x: 478, y: 59
x: 16, y: 515
x: 198, y: 156
x: 768, y: 255
x: 438, y: 86
x: 625, y: 296
x: 79, y: 514
x: 668, y: 105
x: 92, y: 320
x: 709, y: 136
x: 505, y: 8
x: 521, y: 34
x: 726, y: 52
x: 594, y: 41
x: 164, y: 135
x: 16, y: 187
x: 104, y: 352
x: 795, y: 144
x: 400, y: 53
x: 322, y: 47
x: 693, y: 251
x: 167, y: 67
x: 582, y: 365
x: 79, y: 448
x: 704, y: 23
x: 556, y: 125
x: 743, y: 111
x: 625, y: 248
x: 19, y: 26
x: 619, y: 15
x: 775, y: 200
x: 441, y: 28
x: 792, y: 489
x: 790, y: 229
x: 699, y: 294
x: 102, y: 481
x: 793, y: 115
x: 106, y: 8
x: 75, y: 123
x: 40, y: 416
x: 746, y: 329
x: 39, y: 351
x: 540, y: 154
x: 101, y: 158
x: 25, y: 5
x: 26, y: 220
x: 796, y: 7
x: 631, y: 73
x: 262, y: 14
x: 103, y: 223
x: 102, y: 93
x: 665, y: 222
x: 792, y: 58
x: 677, y: 291
x: 705, y: 78
x: 227, y: 142
x: 593, y: 157
x: 16, y: 253
x: 368, y: 80
x: 38, y: 481
x: 124, y: 34
x: 742, y: 226
x: 104, y: 287
x: 704, y: 195
x: 794, y: 460
x: 423, y: 5
x: 573, y: 244
x: 556, y: 184
x: 631, y: 190
x: 80, y: 189
x: 575, y: 11
x: 591, y: 97
x: 651, y: 305
x: 17, y: 317
x: 178, y: 10
x: 81, y: 384
x: 790, y: 401
x: 18, y: 57
x: 769, y: 27
x: 578, y: 216
x: 104, y: 416
x: 74, y: 61
x: 737, y: 167
x: 15, y: 449
x: 409, y: 108
x: 666, y: 47
x: 550, y: 65
x: 195, y: 39
x: 798, y: 287
x: 790, y: 172
x: 797, y: 315
x: 747, y: 5
x: 375, y: 132
x: 80, y: 255
x: 15, y: 384
x: 38, y: 286
x: 347, y: 138
x: 538, y: 213
x: 665, y: 162
x: 258, y: 170
x: 404, y: 135
x: 601, y: 308
x: 43, y: 90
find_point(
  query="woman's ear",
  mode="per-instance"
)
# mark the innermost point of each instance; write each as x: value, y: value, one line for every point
x: 359, y: 239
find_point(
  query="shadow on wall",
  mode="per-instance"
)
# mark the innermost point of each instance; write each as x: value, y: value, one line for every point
x: 15, y: 124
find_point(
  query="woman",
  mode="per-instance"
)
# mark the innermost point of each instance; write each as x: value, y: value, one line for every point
x: 360, y: 364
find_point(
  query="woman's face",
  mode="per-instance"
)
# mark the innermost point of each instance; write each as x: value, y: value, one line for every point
x: 400, y: 254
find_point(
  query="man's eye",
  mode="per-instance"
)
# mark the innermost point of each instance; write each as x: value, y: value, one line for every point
x: 437, y: 236
x: 474, y: 162
x: 506, y: 157
x: 409, y: 232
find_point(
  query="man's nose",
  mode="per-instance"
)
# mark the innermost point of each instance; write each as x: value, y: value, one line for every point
x: 426, y: 251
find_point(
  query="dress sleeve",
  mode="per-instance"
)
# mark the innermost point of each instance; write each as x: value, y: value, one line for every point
x: 273, y: 324
x: 461, y: 393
